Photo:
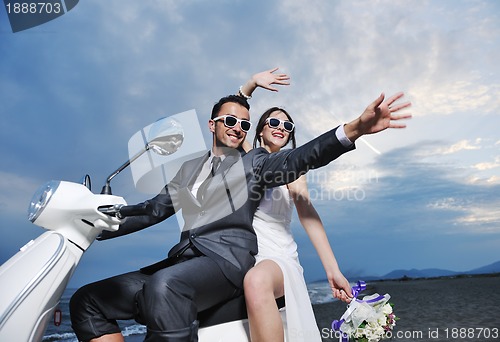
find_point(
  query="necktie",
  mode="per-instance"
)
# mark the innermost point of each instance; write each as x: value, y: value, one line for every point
x: 203, y: 187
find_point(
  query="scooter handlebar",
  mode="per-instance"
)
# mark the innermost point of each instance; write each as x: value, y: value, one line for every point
x: 132, y: 210
x: 122, y: 211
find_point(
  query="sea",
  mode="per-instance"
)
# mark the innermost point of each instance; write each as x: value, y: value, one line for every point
x: 319, y: 293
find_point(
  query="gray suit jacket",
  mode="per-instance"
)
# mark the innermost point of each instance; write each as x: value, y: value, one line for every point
x: 220, y: 226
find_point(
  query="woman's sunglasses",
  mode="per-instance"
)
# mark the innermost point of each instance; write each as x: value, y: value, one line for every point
x: 275, y: 123
x: 230, y: 121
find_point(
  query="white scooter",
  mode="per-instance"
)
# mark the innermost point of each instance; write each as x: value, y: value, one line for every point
x: 33, y: 280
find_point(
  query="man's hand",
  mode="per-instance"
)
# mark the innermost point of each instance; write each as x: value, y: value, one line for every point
x: 378, y: 116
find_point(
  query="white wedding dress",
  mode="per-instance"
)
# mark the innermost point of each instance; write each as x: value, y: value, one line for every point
x: 272, y: 226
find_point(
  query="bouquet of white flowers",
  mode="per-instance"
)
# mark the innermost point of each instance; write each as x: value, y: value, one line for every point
x: 366, y: 320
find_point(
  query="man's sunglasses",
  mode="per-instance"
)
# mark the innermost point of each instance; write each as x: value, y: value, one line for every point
x: 275, y: 123
x: 230, y: 121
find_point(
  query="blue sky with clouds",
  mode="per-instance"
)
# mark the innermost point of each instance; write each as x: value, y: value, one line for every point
x: 74, y: 90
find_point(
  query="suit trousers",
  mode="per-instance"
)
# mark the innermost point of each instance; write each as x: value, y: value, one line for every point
x: 167, y: 301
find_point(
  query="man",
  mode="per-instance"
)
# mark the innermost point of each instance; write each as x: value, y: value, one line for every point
x: 218, y: 244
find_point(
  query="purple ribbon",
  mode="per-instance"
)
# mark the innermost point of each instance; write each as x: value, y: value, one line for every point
x: 360, y: 286
x: 356, y: 289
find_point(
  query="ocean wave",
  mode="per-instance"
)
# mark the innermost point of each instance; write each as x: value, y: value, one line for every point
x: 135, y: 329
x: 62, y: 337
x: 320, y: 292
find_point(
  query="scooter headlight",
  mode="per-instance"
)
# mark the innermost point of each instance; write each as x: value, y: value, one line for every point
x: 41, y: 198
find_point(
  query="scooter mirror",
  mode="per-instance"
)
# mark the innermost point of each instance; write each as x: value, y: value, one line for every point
x: 165, y: 136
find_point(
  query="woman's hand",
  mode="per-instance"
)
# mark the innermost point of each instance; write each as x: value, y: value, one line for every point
x: 340, y: 286
x: 265, y: 79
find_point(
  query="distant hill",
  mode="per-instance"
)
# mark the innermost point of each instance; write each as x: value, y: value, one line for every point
x: 414, y: 273
x: 436, y: 272
x: 491, y: 268
x: 425, y: 273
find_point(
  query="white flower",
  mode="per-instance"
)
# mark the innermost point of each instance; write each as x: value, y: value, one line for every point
x: 387, y: 309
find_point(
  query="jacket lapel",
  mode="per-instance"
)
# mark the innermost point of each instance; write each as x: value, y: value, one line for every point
x: 191, y: 174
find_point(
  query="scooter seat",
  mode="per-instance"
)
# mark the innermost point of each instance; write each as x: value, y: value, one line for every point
x: 232, y: 310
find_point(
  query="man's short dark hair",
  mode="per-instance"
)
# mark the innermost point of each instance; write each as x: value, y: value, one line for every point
x: 230, y: 98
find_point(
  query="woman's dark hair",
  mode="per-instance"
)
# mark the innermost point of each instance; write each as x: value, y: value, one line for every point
x: 230, y: 98
x: 262, y: 123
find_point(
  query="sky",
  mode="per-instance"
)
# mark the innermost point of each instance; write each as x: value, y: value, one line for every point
x: 74, y: 90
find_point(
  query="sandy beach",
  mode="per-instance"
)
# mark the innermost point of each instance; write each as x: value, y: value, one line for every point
x: 433, y: 309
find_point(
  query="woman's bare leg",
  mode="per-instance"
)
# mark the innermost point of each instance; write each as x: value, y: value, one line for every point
x: 262, y: 285
x: 117, y: 337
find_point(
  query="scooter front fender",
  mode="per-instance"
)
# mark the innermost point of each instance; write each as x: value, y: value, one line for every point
x: 31, y: 285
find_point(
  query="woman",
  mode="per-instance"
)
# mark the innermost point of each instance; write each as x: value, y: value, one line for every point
x: 277, y: 271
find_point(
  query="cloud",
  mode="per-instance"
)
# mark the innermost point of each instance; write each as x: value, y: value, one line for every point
x: 482, y: 219
x: 488, y: 165
x: 461, y: 96
x: 441, y: 189
x: 456, y: 147
x: 15, y: 194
